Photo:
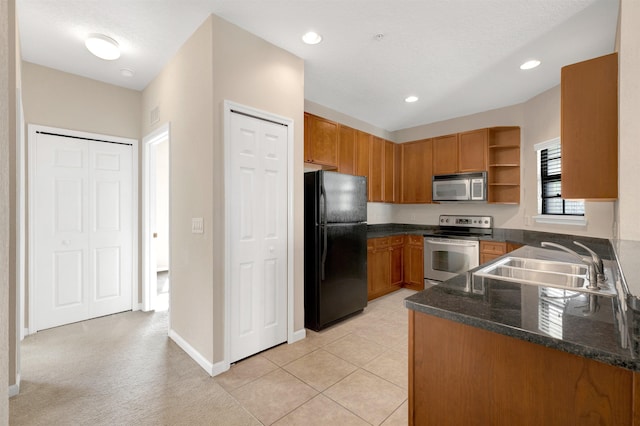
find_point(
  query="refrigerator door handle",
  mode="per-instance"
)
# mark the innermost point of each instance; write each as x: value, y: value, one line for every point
x: 323, y: 230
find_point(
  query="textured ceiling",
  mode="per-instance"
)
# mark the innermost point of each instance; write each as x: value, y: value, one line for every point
x: 458, y: 56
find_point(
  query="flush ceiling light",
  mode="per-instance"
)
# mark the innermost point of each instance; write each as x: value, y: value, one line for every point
x: 312, y: 38
x: 530, y: 64
x: 410, y: 99
x: 103, y: 47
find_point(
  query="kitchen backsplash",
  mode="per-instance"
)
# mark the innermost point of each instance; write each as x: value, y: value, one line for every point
x: 504, y: 216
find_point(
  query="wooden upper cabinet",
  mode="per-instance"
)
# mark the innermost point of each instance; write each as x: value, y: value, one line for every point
x: 389, y: 193
x: 347, y: 150
x: 415, y: 172
x: 445, y: 154
x: 363, y: 140
x: 322, y: 141
x: 460, y: 153
x: 307, y: 138
x: 376, y: 169
x: 472, y: 150
x: 589, y: 129
x: 397, y: 167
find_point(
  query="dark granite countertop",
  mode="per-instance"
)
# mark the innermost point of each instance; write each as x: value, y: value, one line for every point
x: 388, y: 229
x: 520, y: 236
x: 602, y: 328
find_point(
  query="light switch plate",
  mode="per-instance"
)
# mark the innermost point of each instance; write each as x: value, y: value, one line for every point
x: 197, y: 225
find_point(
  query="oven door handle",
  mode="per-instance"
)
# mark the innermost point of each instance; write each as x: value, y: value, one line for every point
x: 452, y: 243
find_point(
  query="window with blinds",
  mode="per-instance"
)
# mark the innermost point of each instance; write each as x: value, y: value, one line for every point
x: 551, y: 185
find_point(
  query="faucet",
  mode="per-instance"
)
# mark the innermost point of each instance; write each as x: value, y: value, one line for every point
x: 596, y: 270
x: 596, y: 260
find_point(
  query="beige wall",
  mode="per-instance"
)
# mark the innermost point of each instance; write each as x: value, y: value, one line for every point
x: 629, y: 124
x: 322, y: 111
x: 219, y: 62
x: 254, y: 73
x: 59, y: 99
x: 7, y: 19
x: 15, y: 64
x: 183, y: 94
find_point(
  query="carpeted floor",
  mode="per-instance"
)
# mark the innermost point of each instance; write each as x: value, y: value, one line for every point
x: 124, y: 370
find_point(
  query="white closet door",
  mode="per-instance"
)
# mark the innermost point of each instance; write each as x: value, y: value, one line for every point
x: 110, y: 212
x: 61, y: 231
x: 82, y: 224
x: 258, y: 254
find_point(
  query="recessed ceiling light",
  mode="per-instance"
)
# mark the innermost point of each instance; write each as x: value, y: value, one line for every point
x: 530, y: 64
x: 410, y: 99
x: 103, y: 47
x: 126, y: 72
x: 312, y: 38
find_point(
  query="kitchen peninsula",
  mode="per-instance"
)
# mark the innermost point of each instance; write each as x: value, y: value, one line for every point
x: 509, y: 353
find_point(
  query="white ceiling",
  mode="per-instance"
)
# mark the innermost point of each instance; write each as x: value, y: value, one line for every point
x: 459, y: 56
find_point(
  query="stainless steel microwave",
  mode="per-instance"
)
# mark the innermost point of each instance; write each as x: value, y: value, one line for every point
x: 460, y: 187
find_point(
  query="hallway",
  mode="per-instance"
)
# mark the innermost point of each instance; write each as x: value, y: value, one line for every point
x: 123, y: 369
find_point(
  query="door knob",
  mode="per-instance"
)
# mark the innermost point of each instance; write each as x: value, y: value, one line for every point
x: 272, y: 249
x: 66, y: 242
x: 155, y: 235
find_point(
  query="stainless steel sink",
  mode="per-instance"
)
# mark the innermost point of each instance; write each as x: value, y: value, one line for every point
x: 547, y: 266
x: 544, y: 273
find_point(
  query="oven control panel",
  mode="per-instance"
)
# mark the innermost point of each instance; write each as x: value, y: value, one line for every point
x: 467, y: 221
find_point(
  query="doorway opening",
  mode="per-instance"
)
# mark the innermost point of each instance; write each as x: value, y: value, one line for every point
x: 156, y: 228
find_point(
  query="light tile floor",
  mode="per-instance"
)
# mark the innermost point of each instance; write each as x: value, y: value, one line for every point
x: 354, y: 373
x: 123, y: 369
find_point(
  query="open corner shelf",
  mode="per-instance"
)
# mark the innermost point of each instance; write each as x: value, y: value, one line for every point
x: 504, y: 165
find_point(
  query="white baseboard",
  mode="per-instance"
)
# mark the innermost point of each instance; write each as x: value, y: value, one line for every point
x: 194, y: 354
x: 137, y: 307
x: 298, y: 335
x: 219, y: 368
x: 15, y: 389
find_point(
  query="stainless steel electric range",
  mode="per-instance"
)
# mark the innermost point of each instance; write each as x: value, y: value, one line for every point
x: 454, y: 247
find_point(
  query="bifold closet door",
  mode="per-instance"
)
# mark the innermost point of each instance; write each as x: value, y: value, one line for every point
x: 82, y: 220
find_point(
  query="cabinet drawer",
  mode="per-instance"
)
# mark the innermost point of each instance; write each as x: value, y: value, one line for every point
x: 378, y: 242
x: 396, y: 240
x: 493, y: 247
x: 415, y: 240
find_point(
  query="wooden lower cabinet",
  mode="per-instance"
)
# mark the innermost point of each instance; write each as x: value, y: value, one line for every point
x: 394, y: 262
x: 396, y: 259
x: 378, y: 267
x: 414, y: 262
x: 490, y: 250
x: 460, y: 375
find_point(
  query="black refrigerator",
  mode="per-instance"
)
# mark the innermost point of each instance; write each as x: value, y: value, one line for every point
x: 335, y: 247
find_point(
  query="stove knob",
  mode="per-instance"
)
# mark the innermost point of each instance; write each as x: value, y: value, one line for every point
x: 447, y: 220
x: 486, y: 222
